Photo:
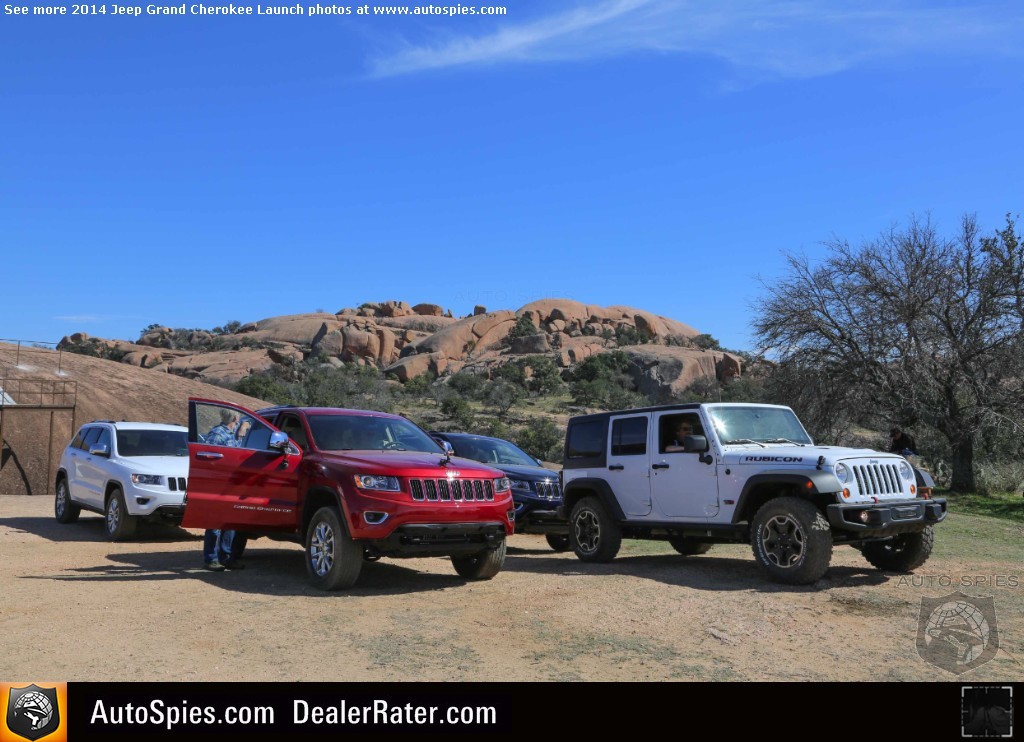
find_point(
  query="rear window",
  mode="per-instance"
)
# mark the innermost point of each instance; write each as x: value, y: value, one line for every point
x: 152, y: 443
x: 586, y: 440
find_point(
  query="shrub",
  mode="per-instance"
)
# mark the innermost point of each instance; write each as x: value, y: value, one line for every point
x: 541, y: 439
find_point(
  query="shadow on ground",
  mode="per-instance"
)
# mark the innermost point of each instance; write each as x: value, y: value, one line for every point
x: 715, y: 573
x: 89, y: 527
x: 268, y: 571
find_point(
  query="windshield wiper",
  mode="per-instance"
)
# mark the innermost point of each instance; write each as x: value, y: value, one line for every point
x: 745, y: 440
x: 785, y: 440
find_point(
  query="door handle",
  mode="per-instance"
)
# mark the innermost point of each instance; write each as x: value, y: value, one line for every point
x: 659, y: 466
x: 208, y: 455
x: 616, y: 467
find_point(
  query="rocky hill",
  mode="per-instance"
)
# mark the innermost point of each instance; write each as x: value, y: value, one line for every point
x: 410, y: 341
x: 100, y: 390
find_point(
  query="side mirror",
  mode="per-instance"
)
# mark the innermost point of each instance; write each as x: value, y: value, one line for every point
x: 278, y: 442
x: 101, y: 449
x: 539, y: 462
x: 448, y: 447
x: 695, y: 444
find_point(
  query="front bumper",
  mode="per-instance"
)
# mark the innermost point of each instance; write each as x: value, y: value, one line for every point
x: 886, y: 518
x: 531, y: 518
x: 154, y: 500
x: 439, y: 539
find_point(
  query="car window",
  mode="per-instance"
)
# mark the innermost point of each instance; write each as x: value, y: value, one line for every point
x: 291, y: 425
x: 91, y: 434
x: 586, y: 439
x: 673, y: 428
x: 138, y: 442
x: 368, y: 433
x: 492, y: 452
x: 103, y: 439
x: 629, y: 436
x: 77, y: 441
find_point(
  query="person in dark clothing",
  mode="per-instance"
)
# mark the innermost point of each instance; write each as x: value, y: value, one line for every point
x: 902, y: 443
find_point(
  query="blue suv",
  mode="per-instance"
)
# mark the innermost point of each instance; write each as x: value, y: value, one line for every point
x: 535, y: 490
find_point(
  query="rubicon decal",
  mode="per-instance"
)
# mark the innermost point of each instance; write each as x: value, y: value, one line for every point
x: 780, y: 459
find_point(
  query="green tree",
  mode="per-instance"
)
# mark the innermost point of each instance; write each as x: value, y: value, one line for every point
x: 523, y: 327
x: 501, y: 396
x: 541, y: 439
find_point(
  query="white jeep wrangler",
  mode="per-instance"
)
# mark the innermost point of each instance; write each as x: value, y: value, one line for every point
x: 700, y: 474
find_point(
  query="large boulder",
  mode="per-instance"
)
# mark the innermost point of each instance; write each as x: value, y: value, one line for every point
x: 419, y: 322
x: 417, y: 365
x: 531, y: 344
x: 360, y: 343
x: 220, y: 367
x: 656, y: 326
x: 428, y: 310
x: 659, y: 369
x: 299, y: 329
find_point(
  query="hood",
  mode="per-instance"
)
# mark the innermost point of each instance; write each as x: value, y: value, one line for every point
x: 407, y: 464
x: 171, y: 466
x: 529, y: 473
x: 797, y: 456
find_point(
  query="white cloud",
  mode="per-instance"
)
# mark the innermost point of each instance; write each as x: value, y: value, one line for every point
x: 79, y: 318
x: 788, y: 39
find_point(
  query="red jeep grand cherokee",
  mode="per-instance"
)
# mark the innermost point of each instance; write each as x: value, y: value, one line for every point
x: 349, y: 484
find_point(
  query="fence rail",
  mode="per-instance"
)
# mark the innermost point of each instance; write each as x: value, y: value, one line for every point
x: 25, y: 347
x: 46, y: 393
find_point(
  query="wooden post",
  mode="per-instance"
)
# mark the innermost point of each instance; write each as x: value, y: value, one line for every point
x: 49, y: 457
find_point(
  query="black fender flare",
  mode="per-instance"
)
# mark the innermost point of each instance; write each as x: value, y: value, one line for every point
x: 809, y: 482
x: 924, y: 479
x: 577, y: 489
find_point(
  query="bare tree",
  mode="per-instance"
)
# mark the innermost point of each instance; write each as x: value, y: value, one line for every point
x: 912, y: 326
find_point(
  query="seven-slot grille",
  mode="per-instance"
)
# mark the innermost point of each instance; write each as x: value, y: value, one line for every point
x: 176, y: 484
x: 548, y: 490
x: 878, y: 479
x: 451, y: 490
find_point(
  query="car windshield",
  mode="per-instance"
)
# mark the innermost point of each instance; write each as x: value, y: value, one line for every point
x: 757, y: 425
x: 369, y: 433
x: 491, y: 451
x: 152, y: 442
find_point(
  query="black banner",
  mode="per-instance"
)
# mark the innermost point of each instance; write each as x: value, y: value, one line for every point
x: 111, y: 711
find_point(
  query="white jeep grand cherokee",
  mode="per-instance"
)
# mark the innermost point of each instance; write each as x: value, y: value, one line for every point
x: 125, y: 471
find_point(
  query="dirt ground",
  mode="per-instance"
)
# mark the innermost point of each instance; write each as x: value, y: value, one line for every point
x: 77, y: 607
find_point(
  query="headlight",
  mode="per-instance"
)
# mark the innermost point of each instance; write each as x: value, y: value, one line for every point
x: 842, y: 473
x: 519, y: 484
x: 905, y: 471
x: 147, y: 479
x: 377, y: 482
x: 502, y: 484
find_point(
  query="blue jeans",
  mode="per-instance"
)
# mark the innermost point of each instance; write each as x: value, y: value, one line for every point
x: 223, y: 546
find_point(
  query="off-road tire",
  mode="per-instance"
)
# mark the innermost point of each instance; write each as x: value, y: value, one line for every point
x: 593, y: 534
x: 689, y: 547
x: 791, y: 540
x: 481, y: 566
x: 903, y: 553
x: 333, y: 559
x: 558, y: 541
x: 64, y: 510
x: 119, y: 524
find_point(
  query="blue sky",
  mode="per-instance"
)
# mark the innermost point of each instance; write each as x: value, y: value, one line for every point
x: 654, y: 153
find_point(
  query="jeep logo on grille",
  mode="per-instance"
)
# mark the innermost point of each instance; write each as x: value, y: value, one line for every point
x: 452, y: 473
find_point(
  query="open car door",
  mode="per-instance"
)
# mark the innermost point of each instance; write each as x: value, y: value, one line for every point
x: 236, y: 479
